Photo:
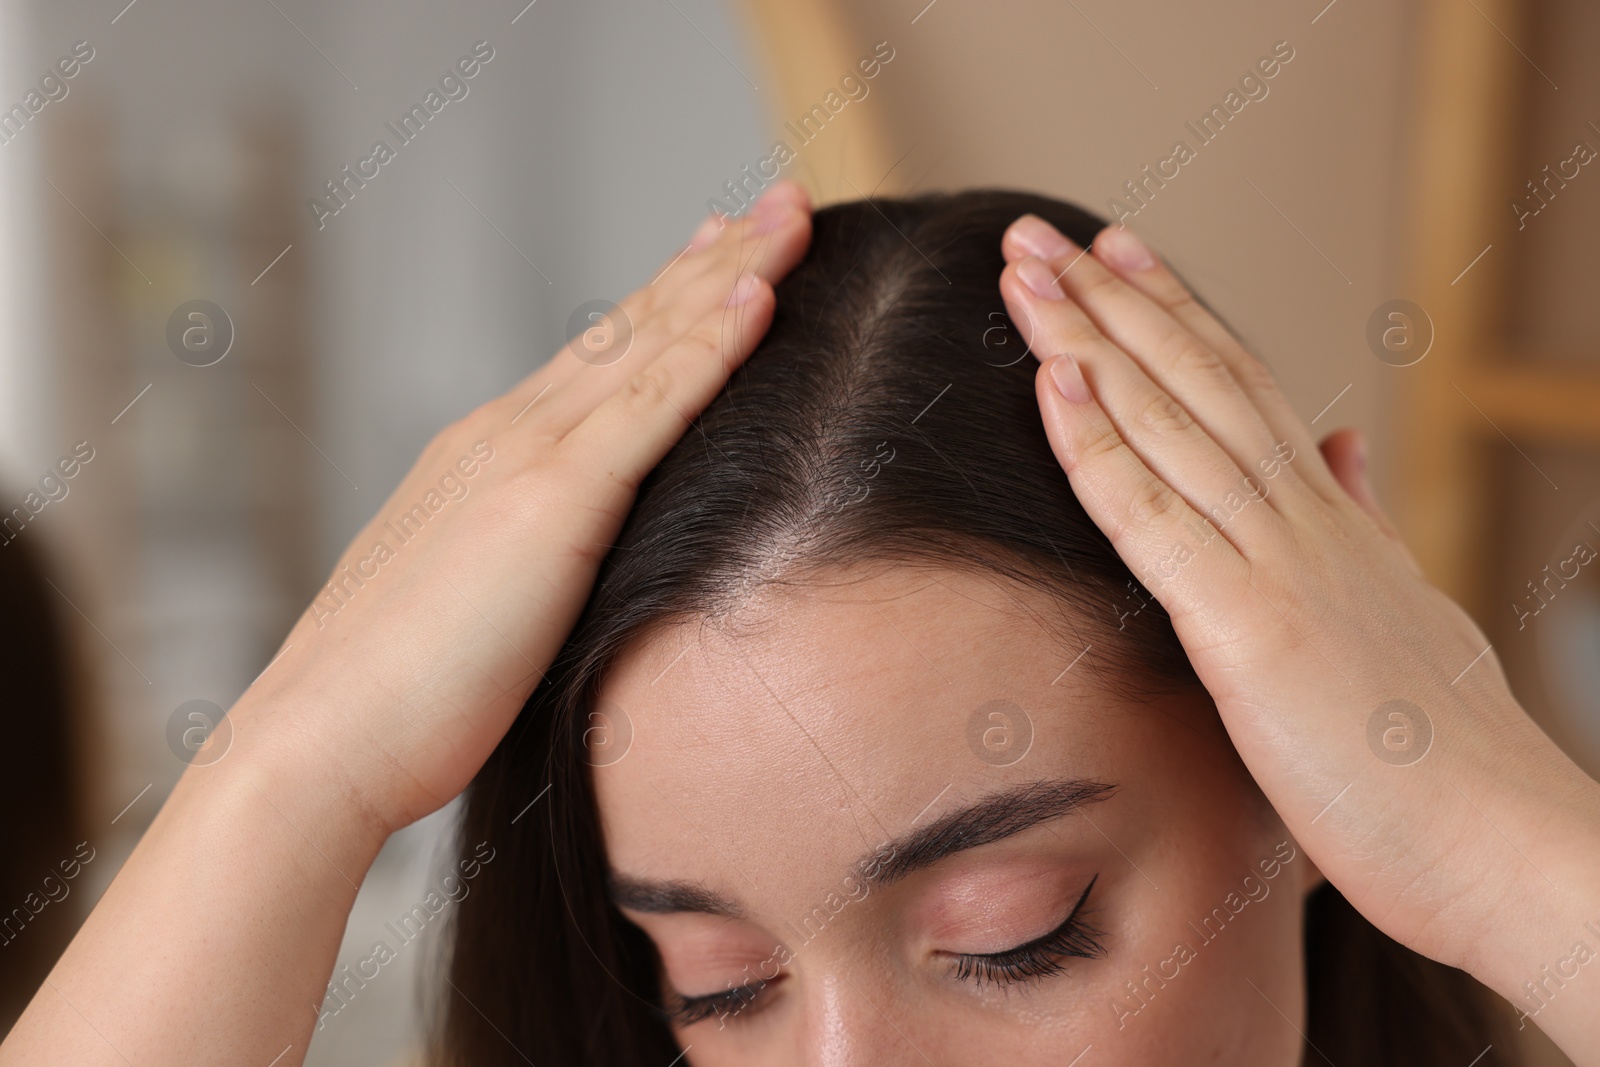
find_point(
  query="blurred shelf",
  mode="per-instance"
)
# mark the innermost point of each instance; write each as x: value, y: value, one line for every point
x: 1535, y: 399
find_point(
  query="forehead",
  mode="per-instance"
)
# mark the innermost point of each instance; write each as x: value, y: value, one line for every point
x: 825, y: 719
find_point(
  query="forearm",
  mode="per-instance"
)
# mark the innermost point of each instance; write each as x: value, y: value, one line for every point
x: 215, y: 941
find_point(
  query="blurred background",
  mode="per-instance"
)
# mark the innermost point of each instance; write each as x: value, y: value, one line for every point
x: 227, y: 327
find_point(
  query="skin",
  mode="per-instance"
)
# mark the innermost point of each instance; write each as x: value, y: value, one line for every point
x: 813, y: 703
x: 1302, y: 615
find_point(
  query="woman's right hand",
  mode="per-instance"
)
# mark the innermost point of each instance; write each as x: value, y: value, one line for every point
x: 394, y: 687
x: 408, y: 668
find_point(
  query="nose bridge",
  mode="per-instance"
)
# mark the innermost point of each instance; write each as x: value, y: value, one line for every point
x: 852, y: 1021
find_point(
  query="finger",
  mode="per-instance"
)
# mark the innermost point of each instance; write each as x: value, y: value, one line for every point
x: 626, y: 435
x: 1227, y: 418
x: 1143, y: 323
x: 1167, y: 545
x: 769, y: 239
x: 572, y: 401
x: 560, y: 400
x: 764, y: 240
x: 1159, y: 430
x: 1135, y: 263
x: 787, y: 190
x: 707, y: 250
x: 1346, y: 454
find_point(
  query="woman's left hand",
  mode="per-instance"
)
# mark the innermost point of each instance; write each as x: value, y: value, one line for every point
x: 1369, y: 707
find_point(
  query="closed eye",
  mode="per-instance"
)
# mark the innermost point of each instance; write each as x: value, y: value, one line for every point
x: 1039, y: 958
x: 686, y: 1011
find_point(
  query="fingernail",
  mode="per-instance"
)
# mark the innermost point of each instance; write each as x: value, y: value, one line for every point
x: 1358, y: 456
x: 743, y: 289
x: 1123, y: 247
x: 1040, y: 238
x: 768, y: 215
x: 782, y: 192
x: 706, y: 233
x: 1038, y: 277
x: 1068, y: 376
x: 771, y: 204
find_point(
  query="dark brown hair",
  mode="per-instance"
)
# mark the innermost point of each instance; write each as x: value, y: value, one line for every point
x: 891, y: 330
x: 39, y: 778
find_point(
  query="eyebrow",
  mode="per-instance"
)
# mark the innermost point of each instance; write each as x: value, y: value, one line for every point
x: 992, y: 818
x: 651, y: 897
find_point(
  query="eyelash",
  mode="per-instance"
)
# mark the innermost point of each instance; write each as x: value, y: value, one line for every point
x: 686, y: 1011
x: 1040, y: 958
x: 1075, y: 938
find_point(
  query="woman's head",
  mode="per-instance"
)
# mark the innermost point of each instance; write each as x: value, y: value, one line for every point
x: 867, y: 747
x: 859, y: 806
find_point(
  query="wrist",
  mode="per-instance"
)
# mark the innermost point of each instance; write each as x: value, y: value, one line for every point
x: 1537, y: 938
x: 273, y: 778
x: 379, y: 746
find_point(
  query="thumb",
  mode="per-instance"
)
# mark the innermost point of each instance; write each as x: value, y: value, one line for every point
x: 1346, y: 454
